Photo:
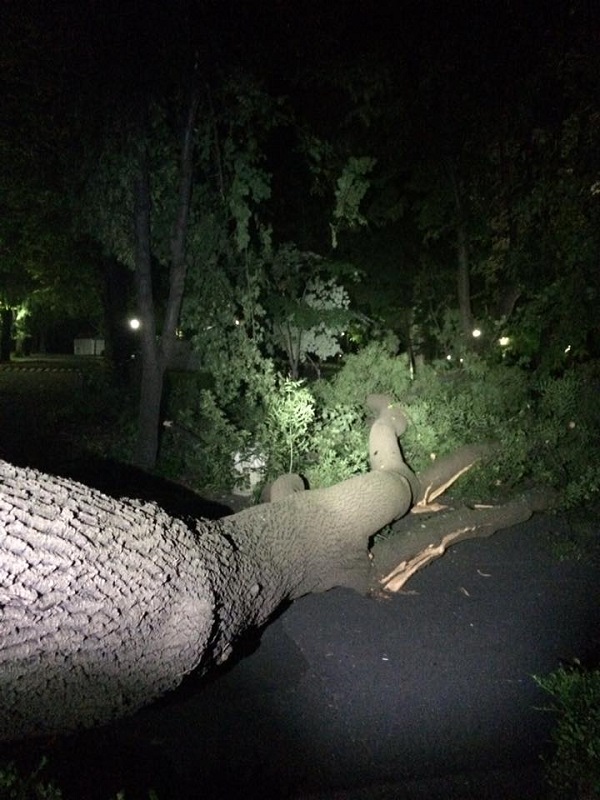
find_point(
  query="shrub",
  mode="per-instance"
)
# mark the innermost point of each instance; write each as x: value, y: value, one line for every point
x: 15, y: 786
x: 289, y: 414
x: 573, y: 771
x: 374, y: 369
x: 542, y: 428
x: 337, y: 447
x: 199, y: 442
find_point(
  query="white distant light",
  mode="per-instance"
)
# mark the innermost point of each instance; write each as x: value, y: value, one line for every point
x: 448, y: 357
x: 134, y: 324
x: 476, y: 333
x: 504, y: 341
x: 568, y: 348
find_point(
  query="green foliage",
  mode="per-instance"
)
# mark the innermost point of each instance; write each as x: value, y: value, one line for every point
x: 350, y: 190
x: 15, y: 786
x: 566, y: 422
x: 337, y: 447
x: 253, y: 411
x: 308, y: 309
x: 324, y: 298
x: 200, y: 440
x: 541, y: 428
x: 574, y: 769
x: 473, y: 404
x: 290, y: 411
x: 373, y: 369
x: 249, y: 187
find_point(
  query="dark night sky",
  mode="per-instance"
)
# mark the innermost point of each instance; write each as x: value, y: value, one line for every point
x: 486, y: 43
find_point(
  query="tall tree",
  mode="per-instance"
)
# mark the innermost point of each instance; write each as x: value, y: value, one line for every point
x: 158, y: 351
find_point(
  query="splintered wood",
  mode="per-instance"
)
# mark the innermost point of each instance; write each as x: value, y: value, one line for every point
x: 396, y: 579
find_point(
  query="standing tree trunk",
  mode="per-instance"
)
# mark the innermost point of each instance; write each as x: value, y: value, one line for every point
x: 151, y: 383
x: 156, y: 354
x: 462, y: 253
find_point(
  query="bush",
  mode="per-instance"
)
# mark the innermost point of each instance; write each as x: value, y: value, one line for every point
x: 284, y: 434
x: 542, y: 428
x: 375, y: 369
x: 14, y: 786
x: 574, y: 769
x: 337, y: 447
x: 199, y: 442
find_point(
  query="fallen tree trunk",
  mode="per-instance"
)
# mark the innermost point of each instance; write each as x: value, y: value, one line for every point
x: 106, y: 604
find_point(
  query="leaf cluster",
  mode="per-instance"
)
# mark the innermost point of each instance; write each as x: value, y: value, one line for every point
x: 16, y: 786
x: 574, y: 768
x: 541, y: 427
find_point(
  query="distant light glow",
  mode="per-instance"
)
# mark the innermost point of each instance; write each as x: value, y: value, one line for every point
x: 476, y: 333
x: 449, y: 357
x: 568, y: 348
x: 504, y: 341
x: 134, y: 324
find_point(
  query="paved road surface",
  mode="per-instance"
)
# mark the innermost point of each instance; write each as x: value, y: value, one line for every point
x: 346, y: 692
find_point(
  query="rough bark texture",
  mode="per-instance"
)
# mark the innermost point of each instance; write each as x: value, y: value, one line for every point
x: 151, y: 384
x: 102, y: 604
x: 107, y: 604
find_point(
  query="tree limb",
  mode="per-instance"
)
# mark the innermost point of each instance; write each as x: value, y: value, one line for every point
x: 416, y: 542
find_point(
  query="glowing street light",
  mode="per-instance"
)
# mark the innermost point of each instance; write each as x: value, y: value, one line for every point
x: 476, y: 333
x: 134, y: 324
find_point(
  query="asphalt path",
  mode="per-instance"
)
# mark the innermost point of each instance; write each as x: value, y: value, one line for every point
x: 425, y: 694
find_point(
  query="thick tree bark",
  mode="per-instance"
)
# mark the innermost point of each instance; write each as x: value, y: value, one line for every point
x: 107, y: 604
x: 411, y: 547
